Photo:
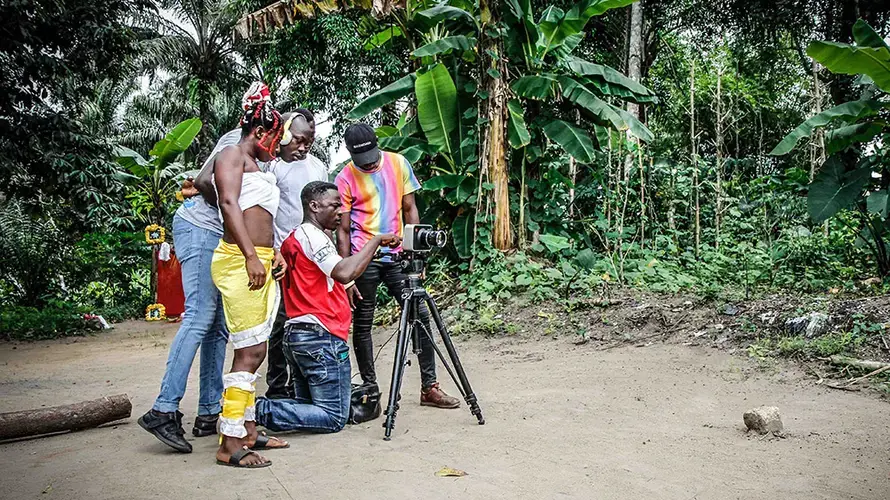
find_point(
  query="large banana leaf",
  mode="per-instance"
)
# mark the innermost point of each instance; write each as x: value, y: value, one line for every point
x: 387, y: 95
x: 557, y: 26
x: 866, y: 36
x: 850, y: 60
x: 575, y: 141
x: 519, y: 13
x: 415, y: 153
x: 553, y: 28
x: 591, y: 8
x: 176, y: 141
x: 835, y: 189
x: 517, y: 132
x: 442, y: 12
x: 136, y: 165
x: 606, y: 88
x: 437, y: 106
x: 462, y: 229
x: 438, y: 182
x: 383, y: 37
x: 568, y: 46
x: 458, y: 42
x: 841, y: 137
x: 607, y: 74
x: 397, y: 143
x: 847, y: 112
x: 535, y: 86
x: 578, y: 94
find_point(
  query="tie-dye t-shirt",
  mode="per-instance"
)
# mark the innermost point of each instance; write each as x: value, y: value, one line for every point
x: 374, y: 199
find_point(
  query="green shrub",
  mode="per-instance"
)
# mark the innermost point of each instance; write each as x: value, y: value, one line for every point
x: 57, y: 319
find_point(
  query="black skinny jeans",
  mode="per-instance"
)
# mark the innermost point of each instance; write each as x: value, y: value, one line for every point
x: 277, y: 377
x: 390, y: 274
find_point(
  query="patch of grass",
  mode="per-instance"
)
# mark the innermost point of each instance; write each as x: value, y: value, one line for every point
x: 824, y: 346
x: 485, y: 320
x: 837, y: 343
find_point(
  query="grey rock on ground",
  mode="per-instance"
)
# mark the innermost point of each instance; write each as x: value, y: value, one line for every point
x: 763, y: 420
x: 811, y: 325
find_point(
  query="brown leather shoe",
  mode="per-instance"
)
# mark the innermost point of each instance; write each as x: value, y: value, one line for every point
x: 434, y: 396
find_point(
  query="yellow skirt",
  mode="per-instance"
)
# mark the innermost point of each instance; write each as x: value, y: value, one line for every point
x: 249, y: 313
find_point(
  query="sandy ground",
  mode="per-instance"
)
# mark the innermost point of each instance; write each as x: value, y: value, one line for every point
x: 657, y: 422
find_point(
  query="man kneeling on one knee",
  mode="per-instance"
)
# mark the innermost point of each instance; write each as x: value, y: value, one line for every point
x: 318, y: 318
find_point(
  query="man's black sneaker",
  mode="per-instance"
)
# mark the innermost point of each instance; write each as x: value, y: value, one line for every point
x: 167, y: 427
x: 205, y: 425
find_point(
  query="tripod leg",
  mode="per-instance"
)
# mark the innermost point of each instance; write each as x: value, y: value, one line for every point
x: 463, y: 383
x: 398, y: 371
x: 444, y: 361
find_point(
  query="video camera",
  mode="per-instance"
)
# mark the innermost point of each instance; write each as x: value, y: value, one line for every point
x: 423, y: 238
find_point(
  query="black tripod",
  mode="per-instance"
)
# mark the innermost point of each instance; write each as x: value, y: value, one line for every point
x: 411, y: 327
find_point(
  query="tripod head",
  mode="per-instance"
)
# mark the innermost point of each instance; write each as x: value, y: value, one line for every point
x: 412, y: 263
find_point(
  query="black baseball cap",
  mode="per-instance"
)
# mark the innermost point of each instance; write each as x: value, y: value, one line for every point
x: 361, y: 142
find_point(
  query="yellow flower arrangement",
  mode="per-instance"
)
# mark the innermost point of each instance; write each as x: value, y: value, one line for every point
x: 155, y: 312
x: 155, y: 234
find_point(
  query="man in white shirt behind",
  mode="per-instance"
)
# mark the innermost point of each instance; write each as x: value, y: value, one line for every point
x: 294, y: 168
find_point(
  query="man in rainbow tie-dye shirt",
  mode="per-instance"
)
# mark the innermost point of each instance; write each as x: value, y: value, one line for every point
x: 377, y: 191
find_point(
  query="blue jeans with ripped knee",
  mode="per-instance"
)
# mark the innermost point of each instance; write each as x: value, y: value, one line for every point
x: 320, y: 369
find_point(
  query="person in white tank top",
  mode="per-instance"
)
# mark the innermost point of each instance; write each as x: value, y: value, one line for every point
x: 242, y: 271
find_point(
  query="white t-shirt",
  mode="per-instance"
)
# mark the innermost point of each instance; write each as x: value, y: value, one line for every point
x: 320, y: 249
x: 292, y: 178
x: 195, y: 209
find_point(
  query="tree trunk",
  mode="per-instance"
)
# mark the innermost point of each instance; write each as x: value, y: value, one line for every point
x: 635, y: 48
x: 719, y: 160
x: 493, y: 155
x: 19, y: 424
x: 694, y: 159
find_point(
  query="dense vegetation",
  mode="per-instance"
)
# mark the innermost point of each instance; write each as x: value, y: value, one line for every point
x: 568, y: 146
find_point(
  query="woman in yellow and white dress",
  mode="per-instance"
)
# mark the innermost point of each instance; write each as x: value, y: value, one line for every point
x: 242, y: 269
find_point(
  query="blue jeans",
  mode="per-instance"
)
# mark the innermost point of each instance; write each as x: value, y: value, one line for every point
x: 203, y: 324
x: 319, y: 365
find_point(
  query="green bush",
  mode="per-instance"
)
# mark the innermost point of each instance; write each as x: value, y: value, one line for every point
x: 57, y: 319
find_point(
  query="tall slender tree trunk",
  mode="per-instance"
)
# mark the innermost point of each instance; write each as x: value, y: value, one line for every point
x: 493, y: 155
x: 696, y: 188
x: 523, y: 234
x: 719, y: 160
x: 635, y: 48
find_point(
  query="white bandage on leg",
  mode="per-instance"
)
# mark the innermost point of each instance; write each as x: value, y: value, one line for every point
x: 237, y: 397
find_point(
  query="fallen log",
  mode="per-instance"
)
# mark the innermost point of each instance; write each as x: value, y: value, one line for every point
x: 74, y: 417
x: 857, y: 363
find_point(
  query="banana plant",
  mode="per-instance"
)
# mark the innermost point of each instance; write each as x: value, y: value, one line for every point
x: 152, y: 183
x: 547, y: 71
x: 439, y: 126
x: 456, y: 76
x: 856, y: 173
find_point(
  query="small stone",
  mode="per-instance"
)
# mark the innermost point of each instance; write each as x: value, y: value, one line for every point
x: 730, y: 310
x: 763, y: 420
x: 719, y: 327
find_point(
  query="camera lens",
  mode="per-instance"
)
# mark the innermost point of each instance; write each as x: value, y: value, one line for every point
x: 432, y: 238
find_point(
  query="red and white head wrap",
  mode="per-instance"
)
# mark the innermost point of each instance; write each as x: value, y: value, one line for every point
x: 258, y: 91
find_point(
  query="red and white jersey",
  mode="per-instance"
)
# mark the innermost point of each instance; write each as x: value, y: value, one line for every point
x: 311, y: 295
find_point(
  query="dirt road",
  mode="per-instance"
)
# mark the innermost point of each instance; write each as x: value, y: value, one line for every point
x: 563, y: 421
